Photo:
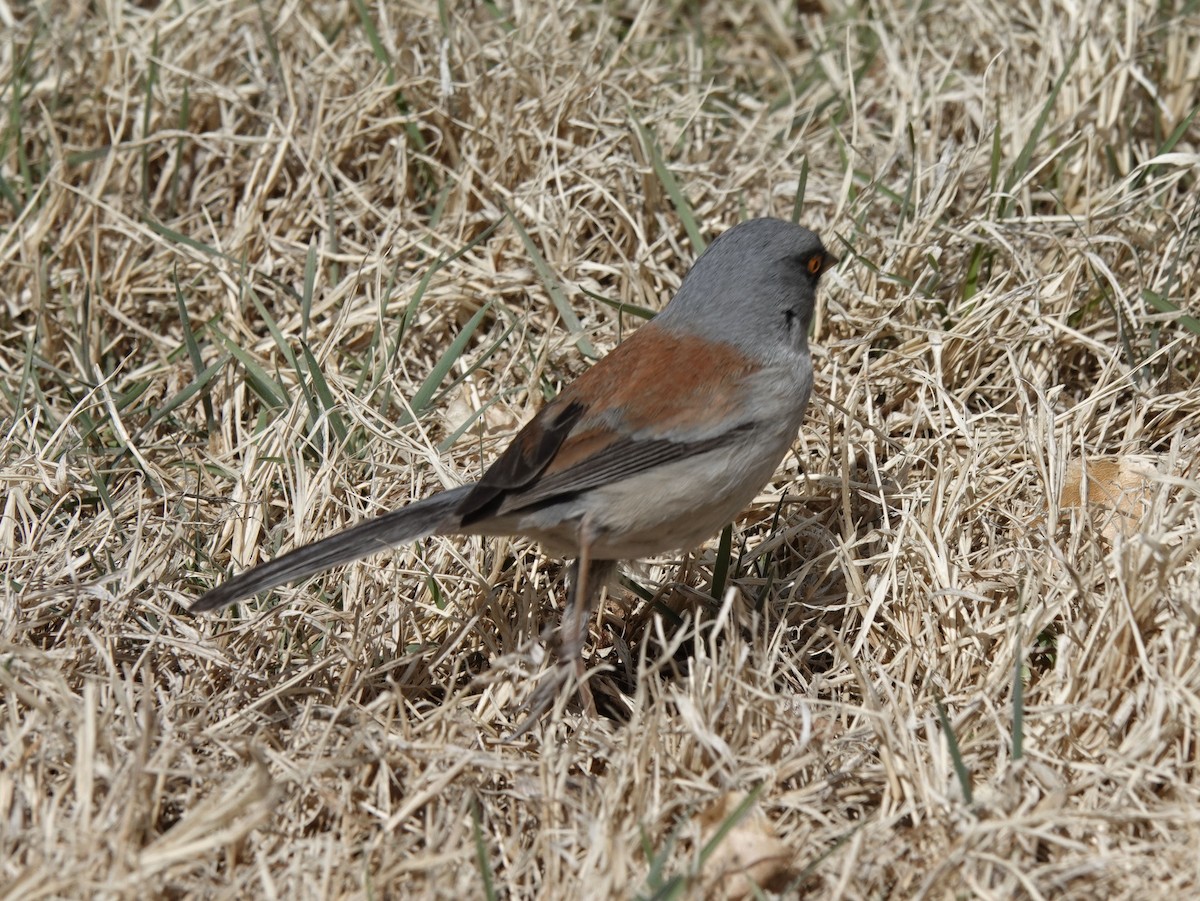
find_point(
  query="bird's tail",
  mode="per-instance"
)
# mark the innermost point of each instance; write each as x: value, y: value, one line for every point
x: 434, y: 514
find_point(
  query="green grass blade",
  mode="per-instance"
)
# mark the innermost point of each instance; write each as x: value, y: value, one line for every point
x: 449, y: 441
x: 147, y: 110
x: 377, y: 48
x: 1167, y: 146
x: 193, y: 348
x: 637, y: 588
x: 179, y: 238
x: 198, y: 384
x: 380, y: 376
x: 1018, y: 693
x: 553, y: 288
x: 306, y: 293
x: 269, y: 37
x: 730, y: 822
x: 285, y: 348
x: 481, y: 854
x: 324, y: 395
x: 410, y: 311
x: 620, y: 307
x: 26, y: 379
x: 792, y: 890
x: 996, y: 160
x: 1178, y: 132
x: 10, y: 196
x: 906, y: 210
x: 960, y: 768
x: 411, y: 129
x: 477, y: 364
x: 20, y: 77
x: 1160, y: 303
x: 421, y: 400
x: 1020, y: 167
x: 269, y: 391
x: 671, y: 186
x: 721, y: 565
x: 501, y: 18
x: 801, y: 189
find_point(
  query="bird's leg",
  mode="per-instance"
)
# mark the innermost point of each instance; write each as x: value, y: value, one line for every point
x: 587, y: 579
x: 575, y: 626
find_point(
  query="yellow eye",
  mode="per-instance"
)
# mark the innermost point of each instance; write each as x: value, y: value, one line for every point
x: 815, y: 262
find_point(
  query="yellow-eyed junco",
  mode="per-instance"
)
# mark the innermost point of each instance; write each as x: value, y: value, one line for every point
x: 653, y: 449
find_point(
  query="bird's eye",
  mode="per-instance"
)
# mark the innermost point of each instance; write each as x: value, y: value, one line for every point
x: 815, y: 262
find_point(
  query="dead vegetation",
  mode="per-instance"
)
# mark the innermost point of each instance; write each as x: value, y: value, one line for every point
x: 267, y: 269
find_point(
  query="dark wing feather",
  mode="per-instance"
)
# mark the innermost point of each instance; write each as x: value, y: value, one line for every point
x: 524, y: 460
x: 619, y: 460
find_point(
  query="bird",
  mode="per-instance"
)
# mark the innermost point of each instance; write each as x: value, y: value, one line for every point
x: 653, y: 449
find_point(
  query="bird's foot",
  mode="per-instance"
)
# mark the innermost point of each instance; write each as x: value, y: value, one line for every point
x: 567, y: 673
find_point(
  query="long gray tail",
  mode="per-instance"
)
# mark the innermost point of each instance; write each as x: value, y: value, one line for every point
x: 434, y: 514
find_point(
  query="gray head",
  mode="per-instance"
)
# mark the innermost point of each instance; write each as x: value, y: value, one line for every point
x: 754, y: 287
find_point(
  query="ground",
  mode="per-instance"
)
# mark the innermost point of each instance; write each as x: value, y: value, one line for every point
x: 268, y: 269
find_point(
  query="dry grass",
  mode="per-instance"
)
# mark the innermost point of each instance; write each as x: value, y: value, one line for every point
x: 237, y: 241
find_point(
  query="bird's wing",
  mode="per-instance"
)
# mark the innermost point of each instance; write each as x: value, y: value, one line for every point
x: 657, y: 398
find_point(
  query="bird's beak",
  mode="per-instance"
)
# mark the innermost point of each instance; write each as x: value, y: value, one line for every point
x: 830, y: 262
